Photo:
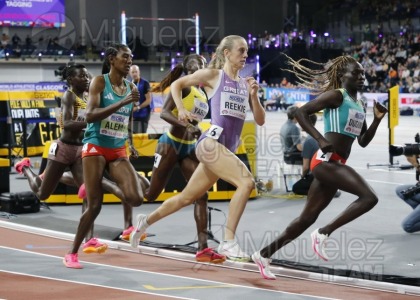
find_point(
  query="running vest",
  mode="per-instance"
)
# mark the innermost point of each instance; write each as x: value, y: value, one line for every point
x: 229, y: 104
x: 79, y: 111
x: 196, y: 103
x: 346, y: 119
x: 111, y: 132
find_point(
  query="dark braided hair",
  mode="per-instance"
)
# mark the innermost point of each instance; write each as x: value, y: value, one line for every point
x: 325, y: 77
x: 111, y: 51
x: 69, y: 71
x: 176, y: 72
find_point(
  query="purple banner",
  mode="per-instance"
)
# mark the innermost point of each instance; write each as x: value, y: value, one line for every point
x: 32, y: 13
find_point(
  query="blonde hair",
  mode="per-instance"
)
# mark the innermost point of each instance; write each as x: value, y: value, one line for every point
x: 218, y: 59
x: 325, y: 77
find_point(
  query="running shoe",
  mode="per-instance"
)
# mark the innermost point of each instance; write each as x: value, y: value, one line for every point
x: 209, y: 256
x: 25, y: 162
x: 263, y: 265
x: 82, y: 192
x: 318, y: 243
x: 232, y: 251
x: 138, y: 231
x: 94, y: 246
x: 125, y: 235
x: 71, y: 260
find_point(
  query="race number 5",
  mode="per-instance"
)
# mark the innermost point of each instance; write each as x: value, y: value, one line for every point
x: 323, y: 156
x: 214, y: 132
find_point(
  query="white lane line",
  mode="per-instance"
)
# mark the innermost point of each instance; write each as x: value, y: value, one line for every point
x: 163, y: 274
x: 92, y: 284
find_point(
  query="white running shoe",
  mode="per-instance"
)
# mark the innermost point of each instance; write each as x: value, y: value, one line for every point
x: 138, y: 230
x: 318, y: 243
x: 264, y: 266
x: 232, y: 251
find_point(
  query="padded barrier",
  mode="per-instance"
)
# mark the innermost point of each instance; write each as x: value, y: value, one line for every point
x: 146, y: 145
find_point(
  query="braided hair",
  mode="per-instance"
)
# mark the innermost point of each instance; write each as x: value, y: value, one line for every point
x: 69, y: 71
x: 325, y: 77
x: 218, y: 60
x: 176, y: 72
x: 111, y: 51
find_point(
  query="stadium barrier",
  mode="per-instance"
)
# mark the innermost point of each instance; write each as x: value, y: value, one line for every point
x: 146, y: 145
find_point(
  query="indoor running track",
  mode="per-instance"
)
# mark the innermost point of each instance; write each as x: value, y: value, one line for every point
x: 31, y: 267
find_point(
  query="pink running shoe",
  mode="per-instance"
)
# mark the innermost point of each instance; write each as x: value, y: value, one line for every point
x: 208, y: 255
x: 263, y: 265
x: 25, y: 162
x: 82, y: 192
x: 72, y: 261
x: 94, y: 246
x: 318, y: 244
x: 125, y: 236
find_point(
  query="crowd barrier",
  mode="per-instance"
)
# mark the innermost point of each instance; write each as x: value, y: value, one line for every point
x: 4, y: 175
x: 146, y: 145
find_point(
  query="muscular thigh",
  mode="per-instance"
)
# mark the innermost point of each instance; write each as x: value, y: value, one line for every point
x: 338, y: 176
x: 219, y: 160
x: 77, y: 171
x: 165, y: 160
x: 52, y: 174
x: 124, y: 175
x: 188, y: 166
x: 93, y: 171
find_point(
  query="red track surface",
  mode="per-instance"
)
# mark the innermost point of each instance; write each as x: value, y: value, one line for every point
x: 21, y: 286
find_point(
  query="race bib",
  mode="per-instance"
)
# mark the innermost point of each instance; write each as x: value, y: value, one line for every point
x: 81, y: 115
x: 354, y: 122
x: 158, y: 157
x: 200, y: 109
x: 214, y: 132
x: 233, y: 105
x: 115, y: 125
x: 53, y: 149
x: 323, y: 156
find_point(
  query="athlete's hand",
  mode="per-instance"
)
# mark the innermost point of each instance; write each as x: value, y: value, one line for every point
x: 135, y: 94
x: 379, y: 110
x: 253, y: 85
x: 325, y: 146
x: 194, y: 131
x: 186, y: 116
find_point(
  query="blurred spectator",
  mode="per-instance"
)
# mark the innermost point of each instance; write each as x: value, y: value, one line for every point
x: 15, y: 40
x: 290, y: 138
x: 5, y: 39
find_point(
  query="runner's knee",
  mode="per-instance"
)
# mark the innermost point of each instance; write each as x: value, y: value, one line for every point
x: 247, y: 183
x: 134, y: 200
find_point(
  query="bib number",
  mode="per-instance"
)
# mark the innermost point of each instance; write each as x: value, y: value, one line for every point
x: 53, y: 149
x: 158, y: 157
x: 323, y: 156
x: 214, y: 132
